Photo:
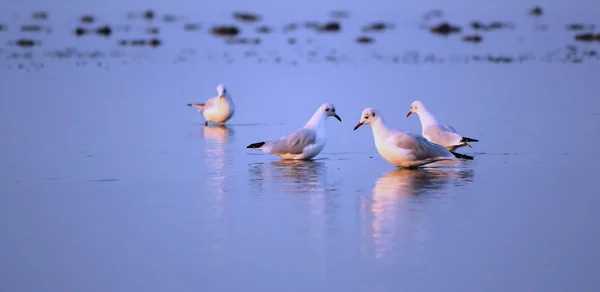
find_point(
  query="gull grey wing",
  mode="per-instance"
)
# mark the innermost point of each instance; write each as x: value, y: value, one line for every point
x: 441, y: 134
x: 294, y: 143
x: 420, y: 147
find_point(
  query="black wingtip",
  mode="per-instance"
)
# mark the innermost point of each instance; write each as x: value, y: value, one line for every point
x: 189, y: 104
x: 461, y: 156
x: 466, y: 139
x: 256, y: 145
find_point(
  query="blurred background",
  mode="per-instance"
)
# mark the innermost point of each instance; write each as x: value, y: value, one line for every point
x: 109, y: 182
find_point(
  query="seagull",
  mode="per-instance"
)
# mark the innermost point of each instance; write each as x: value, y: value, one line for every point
x: 404, y: 149
x: 217, y: 109
x: 305, y: 143
x: 435, y: 132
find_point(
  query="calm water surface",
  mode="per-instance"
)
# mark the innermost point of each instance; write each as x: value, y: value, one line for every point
x: 110, y: 183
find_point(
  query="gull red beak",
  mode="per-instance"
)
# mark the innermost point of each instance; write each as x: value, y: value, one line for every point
x: 358, y: 125
x: 409, y: 112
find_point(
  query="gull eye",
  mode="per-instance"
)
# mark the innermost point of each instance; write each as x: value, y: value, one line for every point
x: 373, y: 114
x: 326, y: 109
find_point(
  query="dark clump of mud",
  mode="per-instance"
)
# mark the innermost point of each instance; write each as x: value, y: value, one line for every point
x: 246, y: 16
x: 580, y: 26
x: 40, y: 15
x: 191, y: 26
x: 339, y: 14
x: 225, y: 30
x: 445, y: 28
x: 31, y: 28
x: 476, y: 25
x: 104, y: 30
x: 87, y: 19
x: 26, y: 43
x: 377, y: 26
x: 3, y: 27
x: 80, y: 31
x: 291, y: 41
x: 472, y: 39
x: 494, y: 59
x: 154, y: 42
x: 536, y: 11
x: 365, y: 40
x: 243, y: 41
x: 141, y: 42
x: 326, y: 27
x: 587, y: 37
x: 149, y: 14
x: 263, y: 29
x: 153, y: 30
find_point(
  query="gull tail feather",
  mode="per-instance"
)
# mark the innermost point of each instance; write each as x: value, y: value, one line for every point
x: 467, y: 139
x: 257, y: 145
x: 199, y: 106
x: 461, y: 156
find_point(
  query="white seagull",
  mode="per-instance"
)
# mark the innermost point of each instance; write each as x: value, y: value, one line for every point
x: 217, y: 109
x: 305, y: 143
x: 435, y: 132
x: 404, y: 149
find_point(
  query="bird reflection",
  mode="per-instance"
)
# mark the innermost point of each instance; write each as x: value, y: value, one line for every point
x: 294, y: 176
x: 395, y: 209
x: 219, y: 133
x: 216, y: 162
x: 307, y: 181
x: 301, y: 176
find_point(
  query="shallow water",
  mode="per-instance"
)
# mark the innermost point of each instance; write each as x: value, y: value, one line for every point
x: 110, y: 183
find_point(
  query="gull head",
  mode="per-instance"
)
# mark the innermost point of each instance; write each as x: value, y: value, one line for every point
x: 368, y: 116
x: 221, y: 90
x: 329, y: 111
x: 415, y: 108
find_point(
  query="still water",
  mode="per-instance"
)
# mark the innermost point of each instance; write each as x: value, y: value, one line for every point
x: 110, y: 183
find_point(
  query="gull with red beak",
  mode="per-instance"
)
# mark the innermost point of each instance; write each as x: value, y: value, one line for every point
x: 217, y: 109
x: 305, y: 143
x: 404, y: 149
x: 435, y: 132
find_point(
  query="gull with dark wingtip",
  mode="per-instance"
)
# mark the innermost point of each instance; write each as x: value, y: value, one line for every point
x: 217, y: 109
x: 404, y: 149
x: 305, y: 143
x: 435, y: 132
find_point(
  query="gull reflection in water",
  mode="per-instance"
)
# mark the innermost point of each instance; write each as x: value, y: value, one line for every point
x: 306, y: 181
x: 395, y: 215
x: 216, y: 162
x: 290, y: 176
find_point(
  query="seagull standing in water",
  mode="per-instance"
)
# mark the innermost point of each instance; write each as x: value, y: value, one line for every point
x: 435, y: 132
x: 305, y: 143
x: 217, y: 109
x: 404, y: 149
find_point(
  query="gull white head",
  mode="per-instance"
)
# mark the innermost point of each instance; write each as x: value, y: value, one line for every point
x: 221, y: 90
x: 416, y: 107
x: 369, y: 115
x: 329, y: 111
